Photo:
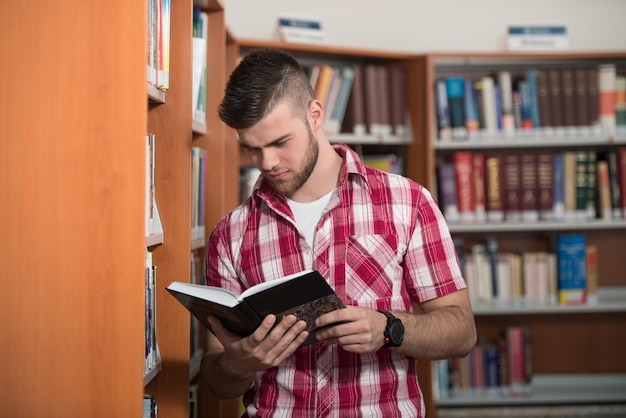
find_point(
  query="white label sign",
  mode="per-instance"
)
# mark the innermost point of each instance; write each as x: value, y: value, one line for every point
x: 301, y: 29
x: 538, y: 38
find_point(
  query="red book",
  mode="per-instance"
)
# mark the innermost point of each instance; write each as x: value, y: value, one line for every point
x: 530, y: 202
x: 462, y: 161
x: 516, y: 356
x: 478, y: 174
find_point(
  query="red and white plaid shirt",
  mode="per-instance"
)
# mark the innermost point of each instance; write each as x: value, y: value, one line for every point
x: 381, y: 243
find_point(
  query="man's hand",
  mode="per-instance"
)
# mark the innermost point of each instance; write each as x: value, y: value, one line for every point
x: 361, y: 330
x: 265, y: 348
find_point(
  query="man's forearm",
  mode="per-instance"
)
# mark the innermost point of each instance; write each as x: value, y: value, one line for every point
x: 441, y: 333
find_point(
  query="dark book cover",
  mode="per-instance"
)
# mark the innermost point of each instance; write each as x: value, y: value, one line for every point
x: 447, y: 194
x: 543, y: 99
x: 513, y: 187
x: 354, y: 118
x: 592, y: 94
x: 568, y: 94
x: 556, y: 99
x: 307, y: 295
x: 494, y: 184
x: 582, y: 99
x: 545, y: 186
x: 530, y: 202
x: 614, y: 184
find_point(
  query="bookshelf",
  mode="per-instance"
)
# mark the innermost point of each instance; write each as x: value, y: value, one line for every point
x: 559, y: 370
x: 401, y: 144
x: 72, y: 217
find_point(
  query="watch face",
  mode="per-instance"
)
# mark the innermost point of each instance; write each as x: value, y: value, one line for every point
x: 396, y: 332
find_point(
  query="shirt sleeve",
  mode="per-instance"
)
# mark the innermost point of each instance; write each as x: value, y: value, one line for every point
x: 431, y: 263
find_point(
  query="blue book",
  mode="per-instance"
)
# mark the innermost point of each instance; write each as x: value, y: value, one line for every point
x: 455, y: 88
x: 471, y: 109
x: 531, y: 77
x: 558, y: 196
x: 571, y: 268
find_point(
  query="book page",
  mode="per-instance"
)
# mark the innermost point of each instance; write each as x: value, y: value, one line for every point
x: 210, y: 293
x: 266, y: 285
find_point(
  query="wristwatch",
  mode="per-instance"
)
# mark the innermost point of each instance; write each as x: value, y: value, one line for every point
x: 394, y: 331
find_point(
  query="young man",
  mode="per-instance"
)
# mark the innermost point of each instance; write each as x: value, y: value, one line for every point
x: 378, y: 239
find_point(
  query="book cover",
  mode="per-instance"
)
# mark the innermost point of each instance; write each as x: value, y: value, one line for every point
x: 592, y: 104
x: 614, y: 184
x: 569, y: 101
x: 531, y: 77
x: 506, y: 102
x: 478, y: 174
x: 447, y: 195
x: 397, y: 88
x: 530, y: 201
x: 582, y: 102
x: 545, y: 186
x: 444, y: 129
x: 591, y: 255
x: 543, y: 100
x: 472, y: 124
x: 305, y: 294
x: 494, y: 185
x: 620, y: 104
x: 558, y: 198
x: 455, y: 88
x: 571, y: 265
x: 569, y: 185
x: 512, y: 187
x: 606, y: 100
x: 354, y: 117
x: 462, y: 161
x: 556, y: 101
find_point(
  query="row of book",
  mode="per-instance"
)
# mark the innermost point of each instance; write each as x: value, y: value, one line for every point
x: 599, y: 410
x: 532, y: 186
x: 151, y: 350
x: 567, y: 276
x: 495, y: 368
x: 158, y: 57
x: 547, y: 101
x: 198, y: 193
x: 361, y: 99
x: 197, y: 335
x: 200, y: 23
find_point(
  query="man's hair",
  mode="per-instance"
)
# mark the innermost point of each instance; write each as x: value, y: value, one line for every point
x: 262, y: 79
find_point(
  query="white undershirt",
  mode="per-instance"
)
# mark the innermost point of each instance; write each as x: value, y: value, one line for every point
x: 307, y: 215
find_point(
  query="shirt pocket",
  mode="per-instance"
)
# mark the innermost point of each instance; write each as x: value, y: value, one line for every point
x: 373, y: 269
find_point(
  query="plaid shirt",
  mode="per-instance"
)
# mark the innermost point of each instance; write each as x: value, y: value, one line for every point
x: 381, y: 243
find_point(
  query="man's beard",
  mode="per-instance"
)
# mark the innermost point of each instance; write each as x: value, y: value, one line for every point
x: 288, y: 188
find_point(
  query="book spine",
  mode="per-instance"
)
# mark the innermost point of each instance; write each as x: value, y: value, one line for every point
x: 443, y: 111
x: 545, y: 185
x: 465, y: 186
x: 545, y: 110
x: 571, y: 262
x: 455, y: 88
x: 506, y: 101
x: 582, y: 102
x: 558, y: 199
x: 512, y: 187
x: 494, y: 187
x: 556, y: 101
x: 606, y: 100
x: 569, y: 102
x: 478, y: 175
x: 471, y: 110
x: 614, y: 183
x: 447, y: 192
x: 529, y: 203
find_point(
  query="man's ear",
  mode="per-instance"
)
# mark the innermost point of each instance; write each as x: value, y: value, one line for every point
x: 316, y: 114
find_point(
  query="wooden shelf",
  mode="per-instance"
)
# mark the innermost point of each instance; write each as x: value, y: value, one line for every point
x: 611, y: 299
x: 563, y: 389
x: 486, y: 228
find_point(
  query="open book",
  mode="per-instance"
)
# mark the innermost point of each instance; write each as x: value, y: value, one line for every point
x: 305, y: 294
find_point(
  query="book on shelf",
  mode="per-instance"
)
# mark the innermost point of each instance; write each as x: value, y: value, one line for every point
x: 306, y: 295
x: 572, y: 271
x: 607, y: 74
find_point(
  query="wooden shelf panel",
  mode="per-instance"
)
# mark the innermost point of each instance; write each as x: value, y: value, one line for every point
x: 554, y: 389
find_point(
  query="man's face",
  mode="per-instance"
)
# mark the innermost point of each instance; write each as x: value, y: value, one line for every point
x: 283, y: 147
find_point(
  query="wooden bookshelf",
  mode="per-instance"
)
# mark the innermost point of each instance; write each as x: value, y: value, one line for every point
x: 563, y: 354
x: 72, y: 219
